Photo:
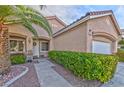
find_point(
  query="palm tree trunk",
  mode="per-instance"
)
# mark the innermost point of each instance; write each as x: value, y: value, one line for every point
x: 4, y: 51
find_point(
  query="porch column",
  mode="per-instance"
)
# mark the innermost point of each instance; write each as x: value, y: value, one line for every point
x: 29, y: 49
x: 115, y: 46
x: 51, y: 45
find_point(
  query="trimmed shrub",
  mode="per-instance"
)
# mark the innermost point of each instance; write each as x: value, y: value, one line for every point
x: 90, y: 66
x: 18, y: 58
x: 121, y: 42
x: 120, y: 54
x: 122, y: 47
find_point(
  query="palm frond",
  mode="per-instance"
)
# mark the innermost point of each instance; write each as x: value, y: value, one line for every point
x: 24, y: 15
x: 39, y: 20
x: 29, y: 26
x: 12, y: 21
x: 6, y: 10
x: 24, y: 20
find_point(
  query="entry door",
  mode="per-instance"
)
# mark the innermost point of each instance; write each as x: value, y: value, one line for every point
x: 36, y: 48
x: 101, y: 47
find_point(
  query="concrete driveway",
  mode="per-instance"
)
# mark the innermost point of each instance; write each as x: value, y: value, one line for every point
x: 118, y: 79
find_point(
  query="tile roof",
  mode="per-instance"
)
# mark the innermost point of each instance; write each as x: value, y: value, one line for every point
x: 99, y: 12
x: 87, y: 14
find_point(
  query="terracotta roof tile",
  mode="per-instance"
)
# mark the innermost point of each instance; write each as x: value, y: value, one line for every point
x: 99, y: 12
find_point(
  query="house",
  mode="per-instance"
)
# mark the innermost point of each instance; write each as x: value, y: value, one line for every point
x: 23, y: 41
x: 96, y: 32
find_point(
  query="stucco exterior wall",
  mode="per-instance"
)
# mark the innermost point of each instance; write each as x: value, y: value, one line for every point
x: 72, y: 40
x: 80, y: 37
x: 103, y: 25
x: 20, y: 31
x: 56, y: 26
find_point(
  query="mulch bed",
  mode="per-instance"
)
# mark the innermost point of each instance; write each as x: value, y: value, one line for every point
x: 30, y: 79
x: 15, y: 71
x: 73, y: 80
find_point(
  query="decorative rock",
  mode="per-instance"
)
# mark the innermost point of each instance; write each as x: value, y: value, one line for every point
x: 15, y: 73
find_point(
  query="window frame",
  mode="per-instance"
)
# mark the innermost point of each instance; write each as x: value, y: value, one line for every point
x: 24, y: 48
x: 41, y: 46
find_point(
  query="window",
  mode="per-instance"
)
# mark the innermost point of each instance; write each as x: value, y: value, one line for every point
x: 16, y: 45
x: 13, y: 45
x: 20, y: 46
x: 44, y: 46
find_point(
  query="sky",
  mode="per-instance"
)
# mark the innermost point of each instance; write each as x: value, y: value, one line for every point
x: 70, y: 13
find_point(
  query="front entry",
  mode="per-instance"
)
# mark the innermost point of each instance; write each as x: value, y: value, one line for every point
x: 36, y: 48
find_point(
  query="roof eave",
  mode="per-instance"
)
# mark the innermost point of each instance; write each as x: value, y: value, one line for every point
x: 71, y: 26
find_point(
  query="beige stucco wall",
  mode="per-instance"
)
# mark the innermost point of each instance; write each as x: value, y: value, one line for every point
x: 80, y: 37
x: 56, y: 25
x: 73, y: 40
x: 103, y: 25
x: 20, y: 31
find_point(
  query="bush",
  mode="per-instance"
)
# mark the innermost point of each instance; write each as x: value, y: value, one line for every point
x: 122, y: 47
x: 121, y: 42
x: 90, y: 66
x: 120, y: 54
x: 18, y: 59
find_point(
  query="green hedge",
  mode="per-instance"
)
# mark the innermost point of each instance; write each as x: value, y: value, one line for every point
x: 18, y: 59
x: 120, y: 54
x: 90, y: 66
x: 121, y: 42
x: 122, y: 47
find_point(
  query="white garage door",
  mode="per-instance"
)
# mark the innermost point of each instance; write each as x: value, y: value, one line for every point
x: 101, y: 47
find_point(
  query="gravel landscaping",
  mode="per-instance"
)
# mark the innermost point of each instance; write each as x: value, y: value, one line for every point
x: 73, y: 80
x: 29, y: 79
x: 15, y: 73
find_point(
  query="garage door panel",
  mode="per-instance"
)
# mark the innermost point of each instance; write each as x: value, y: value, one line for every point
x: 101, y: 47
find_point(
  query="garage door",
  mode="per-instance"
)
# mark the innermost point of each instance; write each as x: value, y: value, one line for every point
x: 101, y: 47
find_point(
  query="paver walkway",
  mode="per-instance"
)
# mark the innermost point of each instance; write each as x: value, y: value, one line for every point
x: 118, y: 79
x: 48, y: 77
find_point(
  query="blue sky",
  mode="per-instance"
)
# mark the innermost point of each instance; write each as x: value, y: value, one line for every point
x: 69, y: 13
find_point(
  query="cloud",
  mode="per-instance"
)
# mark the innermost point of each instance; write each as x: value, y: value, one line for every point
x: 67, y: 13
x: 120, y: 9
x: 120, y: 15
x: 70, y: 13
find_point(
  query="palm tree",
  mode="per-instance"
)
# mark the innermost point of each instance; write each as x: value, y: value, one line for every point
x: 17, y: 14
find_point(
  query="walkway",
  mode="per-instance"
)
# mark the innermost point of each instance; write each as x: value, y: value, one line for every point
x: 49, y: 77
x: 118, y: 79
